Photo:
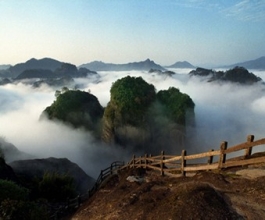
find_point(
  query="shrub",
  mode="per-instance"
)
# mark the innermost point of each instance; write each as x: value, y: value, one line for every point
x: 56, y: 187
x: 14, y: 203
x: 12, y: 191
x: 22, y: 210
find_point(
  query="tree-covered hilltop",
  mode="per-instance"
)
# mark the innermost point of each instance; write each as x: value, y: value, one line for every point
x: 129, y: 100
x: 77, y: 108
x: 138, y: 117
x: 135, y: 116
x: 177, y: 105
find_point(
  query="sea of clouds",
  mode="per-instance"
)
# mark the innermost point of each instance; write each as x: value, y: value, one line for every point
x: 223, y: 112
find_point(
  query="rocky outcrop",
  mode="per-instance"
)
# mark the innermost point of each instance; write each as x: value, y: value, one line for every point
x: 240, y: 75
x: 235, y: 75
x: 125, y: 114
x: 160, y: 72
x: 139, y: 118
x: 36, y: 168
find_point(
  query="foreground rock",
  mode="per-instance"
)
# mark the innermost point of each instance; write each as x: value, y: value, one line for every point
x: 36, y: 168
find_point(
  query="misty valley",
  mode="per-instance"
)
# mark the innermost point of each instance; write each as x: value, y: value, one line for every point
x: 61, y: 123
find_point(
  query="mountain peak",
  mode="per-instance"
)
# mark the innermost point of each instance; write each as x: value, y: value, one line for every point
x: 181, y: 64
x: 33, y: 63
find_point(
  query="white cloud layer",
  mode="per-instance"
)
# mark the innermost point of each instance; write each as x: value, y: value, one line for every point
x: 223, y: 112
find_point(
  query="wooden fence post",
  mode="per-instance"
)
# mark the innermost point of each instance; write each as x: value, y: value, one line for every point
x: 162, y: 162
x: 88, y: 193
x: 145, y: 161
x: 210, y: 158
x: 183, y: 162
x: 150, y: 162
x: 248, y: 151
x: 68, y: 203
x: 222, y: 158
x: 140, y: 161
x: 78, y: 200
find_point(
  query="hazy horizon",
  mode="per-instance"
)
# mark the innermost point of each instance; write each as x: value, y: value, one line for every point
x: 202, y: 32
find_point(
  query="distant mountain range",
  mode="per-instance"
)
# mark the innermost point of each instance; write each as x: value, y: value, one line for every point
x: 258, y: 64
x: 142, y: 65
x: 51, y: 68
x: 44, y: 68
x: 181, y: 64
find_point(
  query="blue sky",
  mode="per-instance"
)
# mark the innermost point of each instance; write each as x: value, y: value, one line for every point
x: 202, y: 32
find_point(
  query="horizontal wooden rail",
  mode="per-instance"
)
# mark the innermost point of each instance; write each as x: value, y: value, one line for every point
x: 245, y: 145
x: 201, y: 155
x: 167, y: 164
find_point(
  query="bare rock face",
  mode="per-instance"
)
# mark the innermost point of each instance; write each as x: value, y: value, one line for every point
x: 37, y: 167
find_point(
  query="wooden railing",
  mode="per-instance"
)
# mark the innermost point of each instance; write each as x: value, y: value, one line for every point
x: 104, y: 174
x: 177, y: 165
x: 181, y: 164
